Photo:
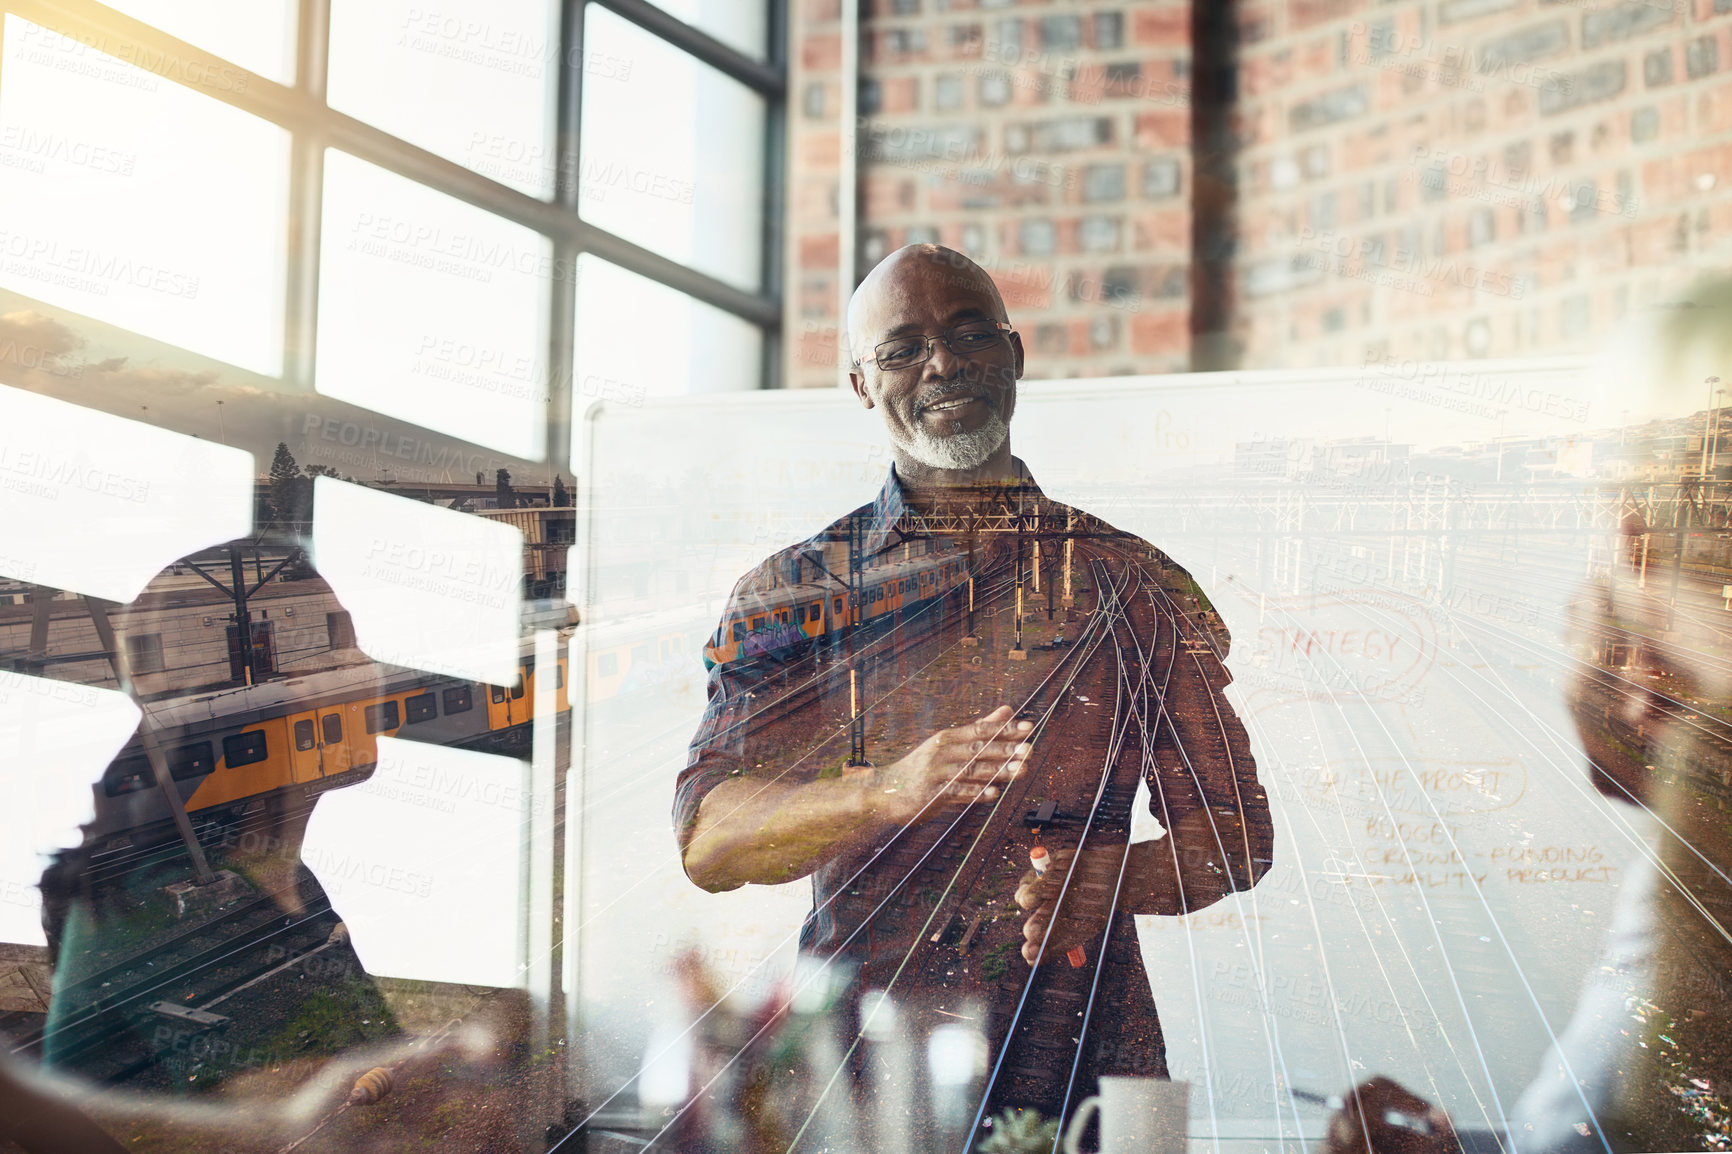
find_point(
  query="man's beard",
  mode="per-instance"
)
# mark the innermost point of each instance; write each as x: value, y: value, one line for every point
x: 960, y: 450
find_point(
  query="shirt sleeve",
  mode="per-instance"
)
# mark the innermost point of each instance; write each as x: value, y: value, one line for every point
x: 1208, y: 798
x: 720, y: 748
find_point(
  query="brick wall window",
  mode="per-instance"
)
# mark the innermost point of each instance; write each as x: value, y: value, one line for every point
x: 144, y: 653
x: 340, y: 628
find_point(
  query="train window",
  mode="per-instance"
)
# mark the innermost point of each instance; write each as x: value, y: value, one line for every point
x: 559, y: 676
x: 458, y: 700
x: 738, y: 631
x: 608, y: 663
x: 332, y: 725
x: 244, y: 748
x: 381, y: 716
x: 304, y: 735
x: 517, y: 690
x: 640, y: 653
x: 128, y: 776
x: 815, y: 612
x: 191, y: 761
x: 498, y: 694
x: 757, y: 623
x: 421, y: 707
x: 838, y: 605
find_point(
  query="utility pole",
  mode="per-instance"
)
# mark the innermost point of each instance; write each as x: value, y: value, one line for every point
x: 243, y: 617
x: 1710, y: 382
x: 857, y: 600
x: 1069, y: 541
x: 1017, y: 653
x: 1677, y: 571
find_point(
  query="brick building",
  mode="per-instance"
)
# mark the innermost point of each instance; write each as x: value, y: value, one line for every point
x: 1429, y: 179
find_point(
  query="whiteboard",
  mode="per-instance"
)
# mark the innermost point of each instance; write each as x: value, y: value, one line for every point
x: 1394, y: 654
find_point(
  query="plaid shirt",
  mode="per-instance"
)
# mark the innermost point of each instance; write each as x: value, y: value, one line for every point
x: 903, y: 708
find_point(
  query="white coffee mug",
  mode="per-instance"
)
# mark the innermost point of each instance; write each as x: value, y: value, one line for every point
x: 1138, y: 1116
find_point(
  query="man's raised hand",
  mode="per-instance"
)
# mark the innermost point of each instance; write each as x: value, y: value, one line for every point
x: 957, y: 766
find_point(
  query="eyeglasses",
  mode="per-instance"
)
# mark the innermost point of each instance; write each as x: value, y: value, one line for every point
x: 969, y: 340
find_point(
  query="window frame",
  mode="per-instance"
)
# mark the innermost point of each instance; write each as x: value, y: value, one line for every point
x: 137, y: 768
x: 144, y: 653
x: 232, y: 742
x: 184, y: 760
x: 425, y: 704
x: 382, y: 716
x: 301, y: 109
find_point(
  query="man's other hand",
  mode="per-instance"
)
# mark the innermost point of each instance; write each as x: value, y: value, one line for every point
x: 1380, y: 1117
x: 1084, y: 912
x: 957, y: 766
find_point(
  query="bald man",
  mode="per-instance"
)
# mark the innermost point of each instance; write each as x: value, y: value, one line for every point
x: 919, y: 605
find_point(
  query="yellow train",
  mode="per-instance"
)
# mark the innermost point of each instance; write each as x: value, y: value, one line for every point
x: 227, y: 749
x: 793, y: 614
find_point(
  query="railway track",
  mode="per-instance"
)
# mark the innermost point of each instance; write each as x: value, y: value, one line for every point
x: 105, y: 1020
x: 1048, y: 1034
x: 1166, y: 667
x: 929, y: 910
x: 1161, y: 664
x: 890, y: 921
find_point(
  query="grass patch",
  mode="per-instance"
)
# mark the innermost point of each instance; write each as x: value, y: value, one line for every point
x: 996, y: 963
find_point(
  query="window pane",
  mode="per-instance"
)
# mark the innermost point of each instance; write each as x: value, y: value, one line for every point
x: 258, y: 35
x: 128, y: 776
x: 673, y: 154
x: 740, y: 24
x: 472, y: 80
x: 637, y: 338
x: 196, y: 760
x: 245, y: 748
x: 432, y: 310
x: 140, y: 202
x: 381, y: 717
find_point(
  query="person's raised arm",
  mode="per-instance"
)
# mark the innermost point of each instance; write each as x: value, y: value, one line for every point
x: 757, y: 829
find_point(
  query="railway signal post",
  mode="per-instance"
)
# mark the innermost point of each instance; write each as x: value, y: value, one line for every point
x: 1069, y: 601
x: 857, y: 606
x: 1017, y: 652
x: 970, y: 638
